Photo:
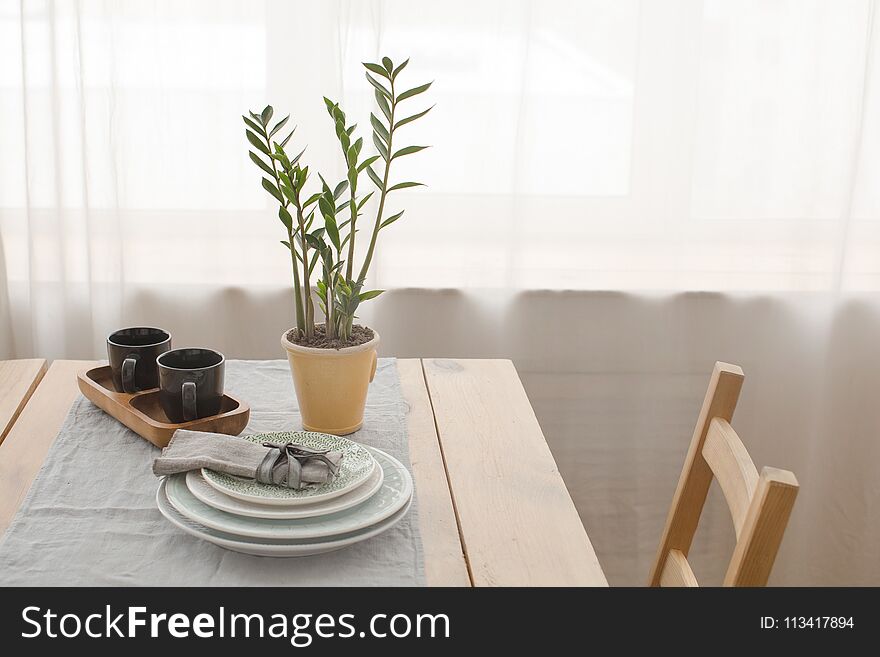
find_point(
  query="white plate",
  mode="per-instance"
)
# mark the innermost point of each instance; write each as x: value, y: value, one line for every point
x: 356, y: 467
x: 394, y: 494
x: 268, y: 548
x: 213, y: 497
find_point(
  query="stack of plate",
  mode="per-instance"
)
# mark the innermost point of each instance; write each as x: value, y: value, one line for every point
x: 369, y: 494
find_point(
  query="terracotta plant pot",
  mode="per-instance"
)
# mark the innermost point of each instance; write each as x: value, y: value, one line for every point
x: 331, y: 384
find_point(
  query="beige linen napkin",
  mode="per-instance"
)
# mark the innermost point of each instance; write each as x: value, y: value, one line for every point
x: 290, y: 465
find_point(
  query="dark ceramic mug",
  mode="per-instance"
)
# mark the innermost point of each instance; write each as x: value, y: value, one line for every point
x: 132, y: 353
x: 191, y: 383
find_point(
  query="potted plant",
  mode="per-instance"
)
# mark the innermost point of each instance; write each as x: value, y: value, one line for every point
x: 333, y: 361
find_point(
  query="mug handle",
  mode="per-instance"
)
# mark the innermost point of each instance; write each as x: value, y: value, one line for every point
x: 128, y: 375
x: 188, y: 395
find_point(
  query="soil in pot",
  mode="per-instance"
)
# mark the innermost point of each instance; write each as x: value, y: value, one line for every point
x: 359, y: 335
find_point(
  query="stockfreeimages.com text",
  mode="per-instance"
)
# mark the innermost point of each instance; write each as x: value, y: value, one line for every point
x: 299, y: 629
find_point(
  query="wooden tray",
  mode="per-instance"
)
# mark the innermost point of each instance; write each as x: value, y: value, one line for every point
x: 142, y: 413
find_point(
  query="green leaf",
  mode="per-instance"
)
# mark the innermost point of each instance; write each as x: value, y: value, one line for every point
x: 378, y: 70
x: 399, y: 69
x: 312, y: 199
x: 380, y: 146
x: 408, y: 151
x: 266, y: 114
x: 376, y: 179
x: 278, y: 126
x: 414, y: 91
x: 392, y: 219
x: 287, y: 138
x: 326, y: 207
x: 289, y: 193
x: 363, y: 165
x: 270, y: 187
x: 404, y: 185
x: 253, y: 125
x: 343, y: 137
x: 281, y: 156
x: 286, y: 219
x: 388, y: 64
x: 285, y: 179
x: 370, y: 294
x: 412, y: 118
x: 351, y: 157
x: 332, y: 231
x: 379, y: 128
x: 257, y: 143
x: 379, y: 87
x: 296, y: 159
x: 286, y: 243
x: 340, y: 189
x: 330, y: 105
x: 363, y: 201
x: 313, y: 262
x: 259, y: 162
x: 383, y: 105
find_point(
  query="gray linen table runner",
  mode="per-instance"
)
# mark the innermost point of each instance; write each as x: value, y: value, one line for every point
x: 90, y: 517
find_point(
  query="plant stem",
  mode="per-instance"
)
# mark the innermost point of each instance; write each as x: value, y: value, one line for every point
x: 369, y: 257
x: 300, y: 317
x: 351, y: 232
x: 307, y: 285
x: 330, y: 320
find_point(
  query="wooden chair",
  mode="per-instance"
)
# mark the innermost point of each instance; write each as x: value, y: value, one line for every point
x: 759, y: 503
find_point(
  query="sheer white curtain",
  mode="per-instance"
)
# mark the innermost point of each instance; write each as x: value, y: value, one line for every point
x: 619, y: 150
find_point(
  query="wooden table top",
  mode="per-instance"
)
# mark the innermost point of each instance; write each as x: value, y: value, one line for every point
x: 489, y: 515
x: 18, y: 380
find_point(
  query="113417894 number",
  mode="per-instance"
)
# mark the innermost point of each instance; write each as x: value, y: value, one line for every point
x: 817, y: 622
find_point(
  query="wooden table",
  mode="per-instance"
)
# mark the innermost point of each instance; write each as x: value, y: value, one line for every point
x: 18, y: 380
x: 494, y: 509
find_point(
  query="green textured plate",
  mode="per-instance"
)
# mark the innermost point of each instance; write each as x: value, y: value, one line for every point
x: 356, y: 467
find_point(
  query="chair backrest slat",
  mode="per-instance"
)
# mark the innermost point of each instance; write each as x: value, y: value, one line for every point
x: 760, y: 505
x: 677, y: 571
x: 763, y: 529
x: 693, y: 485
x: 733, y: 468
